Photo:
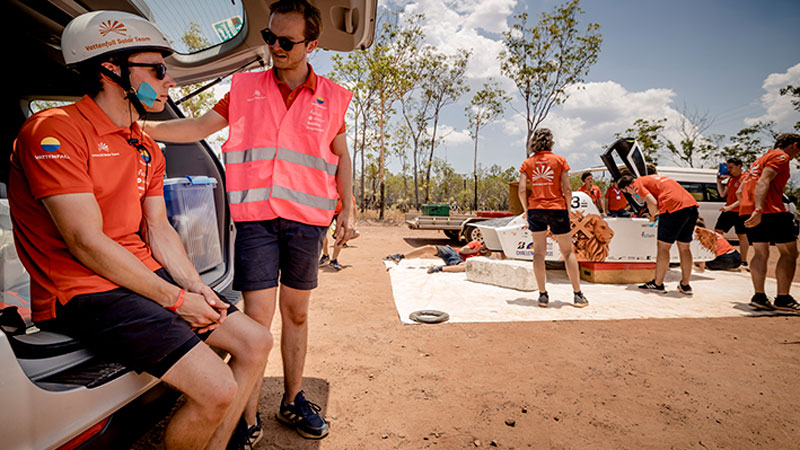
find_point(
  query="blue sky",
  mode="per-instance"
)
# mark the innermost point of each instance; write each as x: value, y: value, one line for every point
x: 725, y: 58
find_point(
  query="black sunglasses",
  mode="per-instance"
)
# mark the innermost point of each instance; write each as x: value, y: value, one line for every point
x: 285, y: 43
x: 161, y: 69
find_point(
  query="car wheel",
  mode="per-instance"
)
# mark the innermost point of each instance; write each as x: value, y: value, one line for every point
x: 472, y: 233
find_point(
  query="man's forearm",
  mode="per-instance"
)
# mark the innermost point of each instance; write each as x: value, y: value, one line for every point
x: 762, y: 187
x: 110, y: 260
x: 168, y: 250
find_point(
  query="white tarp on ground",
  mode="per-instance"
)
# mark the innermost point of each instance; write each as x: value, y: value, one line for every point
x: 716, y: 294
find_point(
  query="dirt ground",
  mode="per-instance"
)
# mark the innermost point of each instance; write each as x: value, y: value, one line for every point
x: 672, y: 383
x: 707, y: 383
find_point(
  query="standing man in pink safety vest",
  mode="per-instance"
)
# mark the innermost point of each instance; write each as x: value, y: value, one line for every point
x: 286, y: 162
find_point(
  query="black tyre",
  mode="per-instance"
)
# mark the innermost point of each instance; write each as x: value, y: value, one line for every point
x: 454, y: 235
x: 429, y: 316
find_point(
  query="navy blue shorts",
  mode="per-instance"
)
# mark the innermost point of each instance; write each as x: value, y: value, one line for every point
x: 556, y: 219
x: 775, y: 228
x: 729, y: 219
x: 727, y: 261
x: 122, y: 326
x: 449, y: 255
x: 677, y: 225
x: 267, y: 249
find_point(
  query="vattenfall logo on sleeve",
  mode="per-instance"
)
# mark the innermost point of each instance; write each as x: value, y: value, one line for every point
x: 51, y: 146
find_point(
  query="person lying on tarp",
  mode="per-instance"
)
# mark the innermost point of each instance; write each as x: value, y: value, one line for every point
x: 453, y: 259
x: 727, y: 257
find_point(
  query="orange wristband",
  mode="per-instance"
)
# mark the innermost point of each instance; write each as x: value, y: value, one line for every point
x: 178, y: 302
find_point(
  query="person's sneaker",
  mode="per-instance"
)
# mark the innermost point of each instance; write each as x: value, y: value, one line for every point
x: 397, y: 257
x: 579, y: 301
x: 544, y: 299
x: 304, y: 416
x: 255, y: 432
x: 324, y: 260
x: 786, y: 303
x: 335, y: 264
x: 684, y: 289
x: 240, y: 439
x: 760, y: 301
x: 652, y: 286
x: 434, y: 269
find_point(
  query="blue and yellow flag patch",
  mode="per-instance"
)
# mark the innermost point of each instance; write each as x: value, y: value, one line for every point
x: 50, y: 144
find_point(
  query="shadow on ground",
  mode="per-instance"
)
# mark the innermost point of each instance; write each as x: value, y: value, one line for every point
x: 276, y: 435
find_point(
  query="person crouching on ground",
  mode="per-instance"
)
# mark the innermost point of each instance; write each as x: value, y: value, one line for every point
x: 761, y: 200
x: 727, y: 257
x: 453, y: 259
x: 548, y: 207
x: 677, y: 212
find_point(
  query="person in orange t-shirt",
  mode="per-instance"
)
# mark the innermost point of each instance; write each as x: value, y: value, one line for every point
x: 677, y: 214
x: 453, y: 258
x: 727, y: 257
x: 593, y: 191
x: 616, y: 204
x: 548, y: 207
x: 761, y: 198
x: 729, y: 216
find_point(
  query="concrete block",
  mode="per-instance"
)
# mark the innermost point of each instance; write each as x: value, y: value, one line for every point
x: 617, y: 272
x: 505, y: 273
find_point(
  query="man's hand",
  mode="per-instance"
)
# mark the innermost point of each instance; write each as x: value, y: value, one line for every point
x: 725, y: 209
x: 211, y: 298
x: 344, y: 226
x: 198, y: 313
x: 753, y: 220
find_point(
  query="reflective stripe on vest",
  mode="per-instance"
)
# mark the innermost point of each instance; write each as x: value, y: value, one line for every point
x: 303, y: 198
x: 283, y: 154
x: 249, y: 195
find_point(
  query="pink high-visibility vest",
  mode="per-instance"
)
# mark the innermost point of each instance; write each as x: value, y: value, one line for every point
x: 279, y: 163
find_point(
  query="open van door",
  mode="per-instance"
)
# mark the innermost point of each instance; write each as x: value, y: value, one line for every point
x: 631, y: 156
x: 346, y: 25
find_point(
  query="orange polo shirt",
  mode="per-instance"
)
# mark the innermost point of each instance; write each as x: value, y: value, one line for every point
x: 616, y: 199
x: 543, y: 170
x: 777, y: 160
x: 77, y: 149
x: 593, y: 192
x: 671, y: 196
x: 287, y: 93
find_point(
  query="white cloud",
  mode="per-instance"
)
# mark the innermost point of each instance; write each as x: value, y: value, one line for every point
x: 453, y: 25
x: 586, y: 123
x: 779, y: 107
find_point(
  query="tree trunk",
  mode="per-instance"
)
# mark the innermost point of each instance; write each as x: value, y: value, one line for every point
x: 381, y: 160
x: 430, y: 160
x: 475, y: 171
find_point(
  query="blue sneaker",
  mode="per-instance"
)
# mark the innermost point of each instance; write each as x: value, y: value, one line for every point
x: 304, y: 416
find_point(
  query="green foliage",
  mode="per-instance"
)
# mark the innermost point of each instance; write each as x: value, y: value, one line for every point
x: 751, y: 142
x: 545, y: 59
x: 793, y: 91
x: 202, y: 102
x: 484, y: 108
x: 648, y: 134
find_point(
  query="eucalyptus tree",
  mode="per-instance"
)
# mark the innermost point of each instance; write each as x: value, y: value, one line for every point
x: 648, y: 133
x: 443, y: 82
x: 545, y: 59
x: 351, y: 70
x: 485, y: 107
x: 391, y: 69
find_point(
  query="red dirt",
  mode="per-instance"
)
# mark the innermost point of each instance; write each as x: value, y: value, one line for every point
x: 671, y: 383
x: 674, y: 383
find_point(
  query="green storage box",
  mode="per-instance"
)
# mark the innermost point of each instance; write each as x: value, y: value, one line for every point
x: 435, y: 209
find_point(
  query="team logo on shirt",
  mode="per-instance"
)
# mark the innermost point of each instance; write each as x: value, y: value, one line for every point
x: 50, y: 144
x: 542, y: 173
x: 320, y: 100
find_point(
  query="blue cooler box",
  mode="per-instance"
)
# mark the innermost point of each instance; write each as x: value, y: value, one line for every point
x: 192, y: 212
